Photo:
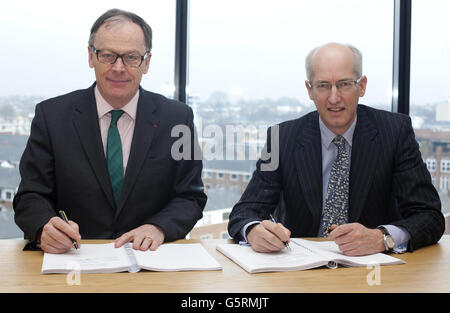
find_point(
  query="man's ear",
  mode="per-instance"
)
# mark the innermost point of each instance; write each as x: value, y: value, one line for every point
x: 146, y: 63
x: 308, y: 87
x: 363, y: 85
x: 90, y: 56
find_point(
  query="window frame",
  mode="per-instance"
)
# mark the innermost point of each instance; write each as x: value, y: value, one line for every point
x: 401, y: 70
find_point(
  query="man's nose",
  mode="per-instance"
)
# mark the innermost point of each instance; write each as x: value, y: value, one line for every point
x: 334, y: 97
x: 118, y: 65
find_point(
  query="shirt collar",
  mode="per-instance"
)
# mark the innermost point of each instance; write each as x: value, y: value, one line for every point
x: 327, y: 135
x: 103, y: 107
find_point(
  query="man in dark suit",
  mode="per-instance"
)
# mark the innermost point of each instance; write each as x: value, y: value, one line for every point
x: 348, y: 172
x: 104, y: 154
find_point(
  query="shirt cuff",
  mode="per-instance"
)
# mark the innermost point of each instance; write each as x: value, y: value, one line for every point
x: 244, y: 229
x: 401, y: 237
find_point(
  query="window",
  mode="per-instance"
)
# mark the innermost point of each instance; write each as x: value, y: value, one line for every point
x: 246, y: 67
x: 233, y: 177
x: 444, y: 183
x: 45, y: 45
x: 430, y: 95
x: 250, y: 47
x: 431, y: 165
x: 225, y: 216
x: 59, y: 33
x: 247, y: 73
x: 433, y: 180
x: 445, y: 166
x: 9, y: 196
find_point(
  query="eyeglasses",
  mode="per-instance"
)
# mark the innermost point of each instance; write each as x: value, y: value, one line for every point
x: 324, y: 87
x: 129, y: 59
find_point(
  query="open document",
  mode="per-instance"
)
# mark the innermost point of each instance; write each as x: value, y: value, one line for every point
x: 104, y: 258
x: 304, y: 254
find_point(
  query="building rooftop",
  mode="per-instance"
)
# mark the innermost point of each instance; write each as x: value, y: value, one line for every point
x: 430, y: 134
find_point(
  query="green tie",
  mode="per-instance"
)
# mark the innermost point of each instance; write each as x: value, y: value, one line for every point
x: 114, y: 155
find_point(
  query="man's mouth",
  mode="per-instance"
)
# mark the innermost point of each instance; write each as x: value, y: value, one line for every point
x: 118, y: 81
x: 335, y: 109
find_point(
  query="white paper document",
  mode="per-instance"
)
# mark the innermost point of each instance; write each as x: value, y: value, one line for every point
x: 304, y: 254
x: 104, y: 258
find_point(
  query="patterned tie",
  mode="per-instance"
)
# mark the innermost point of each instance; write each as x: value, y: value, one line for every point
x: 336, y: 203
x: 114, y: 155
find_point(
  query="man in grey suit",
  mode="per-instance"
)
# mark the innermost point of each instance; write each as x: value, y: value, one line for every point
x: 348, y: 172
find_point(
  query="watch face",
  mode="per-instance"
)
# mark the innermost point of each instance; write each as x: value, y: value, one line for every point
x: 390, y: 242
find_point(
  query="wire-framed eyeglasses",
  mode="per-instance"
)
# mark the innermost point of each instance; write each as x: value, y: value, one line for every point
x: 342, y: 86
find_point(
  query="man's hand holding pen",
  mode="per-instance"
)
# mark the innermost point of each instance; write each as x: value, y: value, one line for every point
x: 268, y: 236
x: 57, y: 235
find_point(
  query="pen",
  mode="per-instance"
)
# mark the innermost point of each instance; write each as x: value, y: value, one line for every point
x: 285, y: 243
x: 63, y: 215
x: 328, y: 230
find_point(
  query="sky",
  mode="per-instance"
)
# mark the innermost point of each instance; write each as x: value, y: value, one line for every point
x: 249, y: 49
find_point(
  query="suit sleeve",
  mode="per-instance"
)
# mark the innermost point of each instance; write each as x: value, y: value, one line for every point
x: 35, y: 198
x: 416, y: 197
x: 188, y: 200
x: 262, y: 194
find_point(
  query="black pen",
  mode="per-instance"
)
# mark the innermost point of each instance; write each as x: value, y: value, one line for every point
x: 285, y: 242
x: 328, y: 230
x: 63, y: 215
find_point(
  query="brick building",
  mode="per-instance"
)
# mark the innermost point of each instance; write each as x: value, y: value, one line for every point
x: 232, y: 175
x: 435, y: 149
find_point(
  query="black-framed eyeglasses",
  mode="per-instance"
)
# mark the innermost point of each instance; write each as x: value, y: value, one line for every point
x: 344, y: 85
x: 128, y: 59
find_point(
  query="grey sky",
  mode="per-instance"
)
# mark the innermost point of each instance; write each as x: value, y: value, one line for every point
x: 247, y: 48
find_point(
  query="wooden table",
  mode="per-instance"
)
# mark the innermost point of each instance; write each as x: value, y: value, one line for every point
x: 426, y: 270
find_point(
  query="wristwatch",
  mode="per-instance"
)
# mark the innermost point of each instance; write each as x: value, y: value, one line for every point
x: 387, y: 238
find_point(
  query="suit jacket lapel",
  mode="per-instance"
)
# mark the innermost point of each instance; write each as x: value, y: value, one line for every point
x: 145, y: 128
x: 308, y: 161
x: 365, y: 150
x: 86, y: 123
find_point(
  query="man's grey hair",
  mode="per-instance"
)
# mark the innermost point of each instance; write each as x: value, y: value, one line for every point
x: 357, y: 63
x: 115, y: 15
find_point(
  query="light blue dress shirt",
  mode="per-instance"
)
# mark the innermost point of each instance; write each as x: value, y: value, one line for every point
x: 329, y: 153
